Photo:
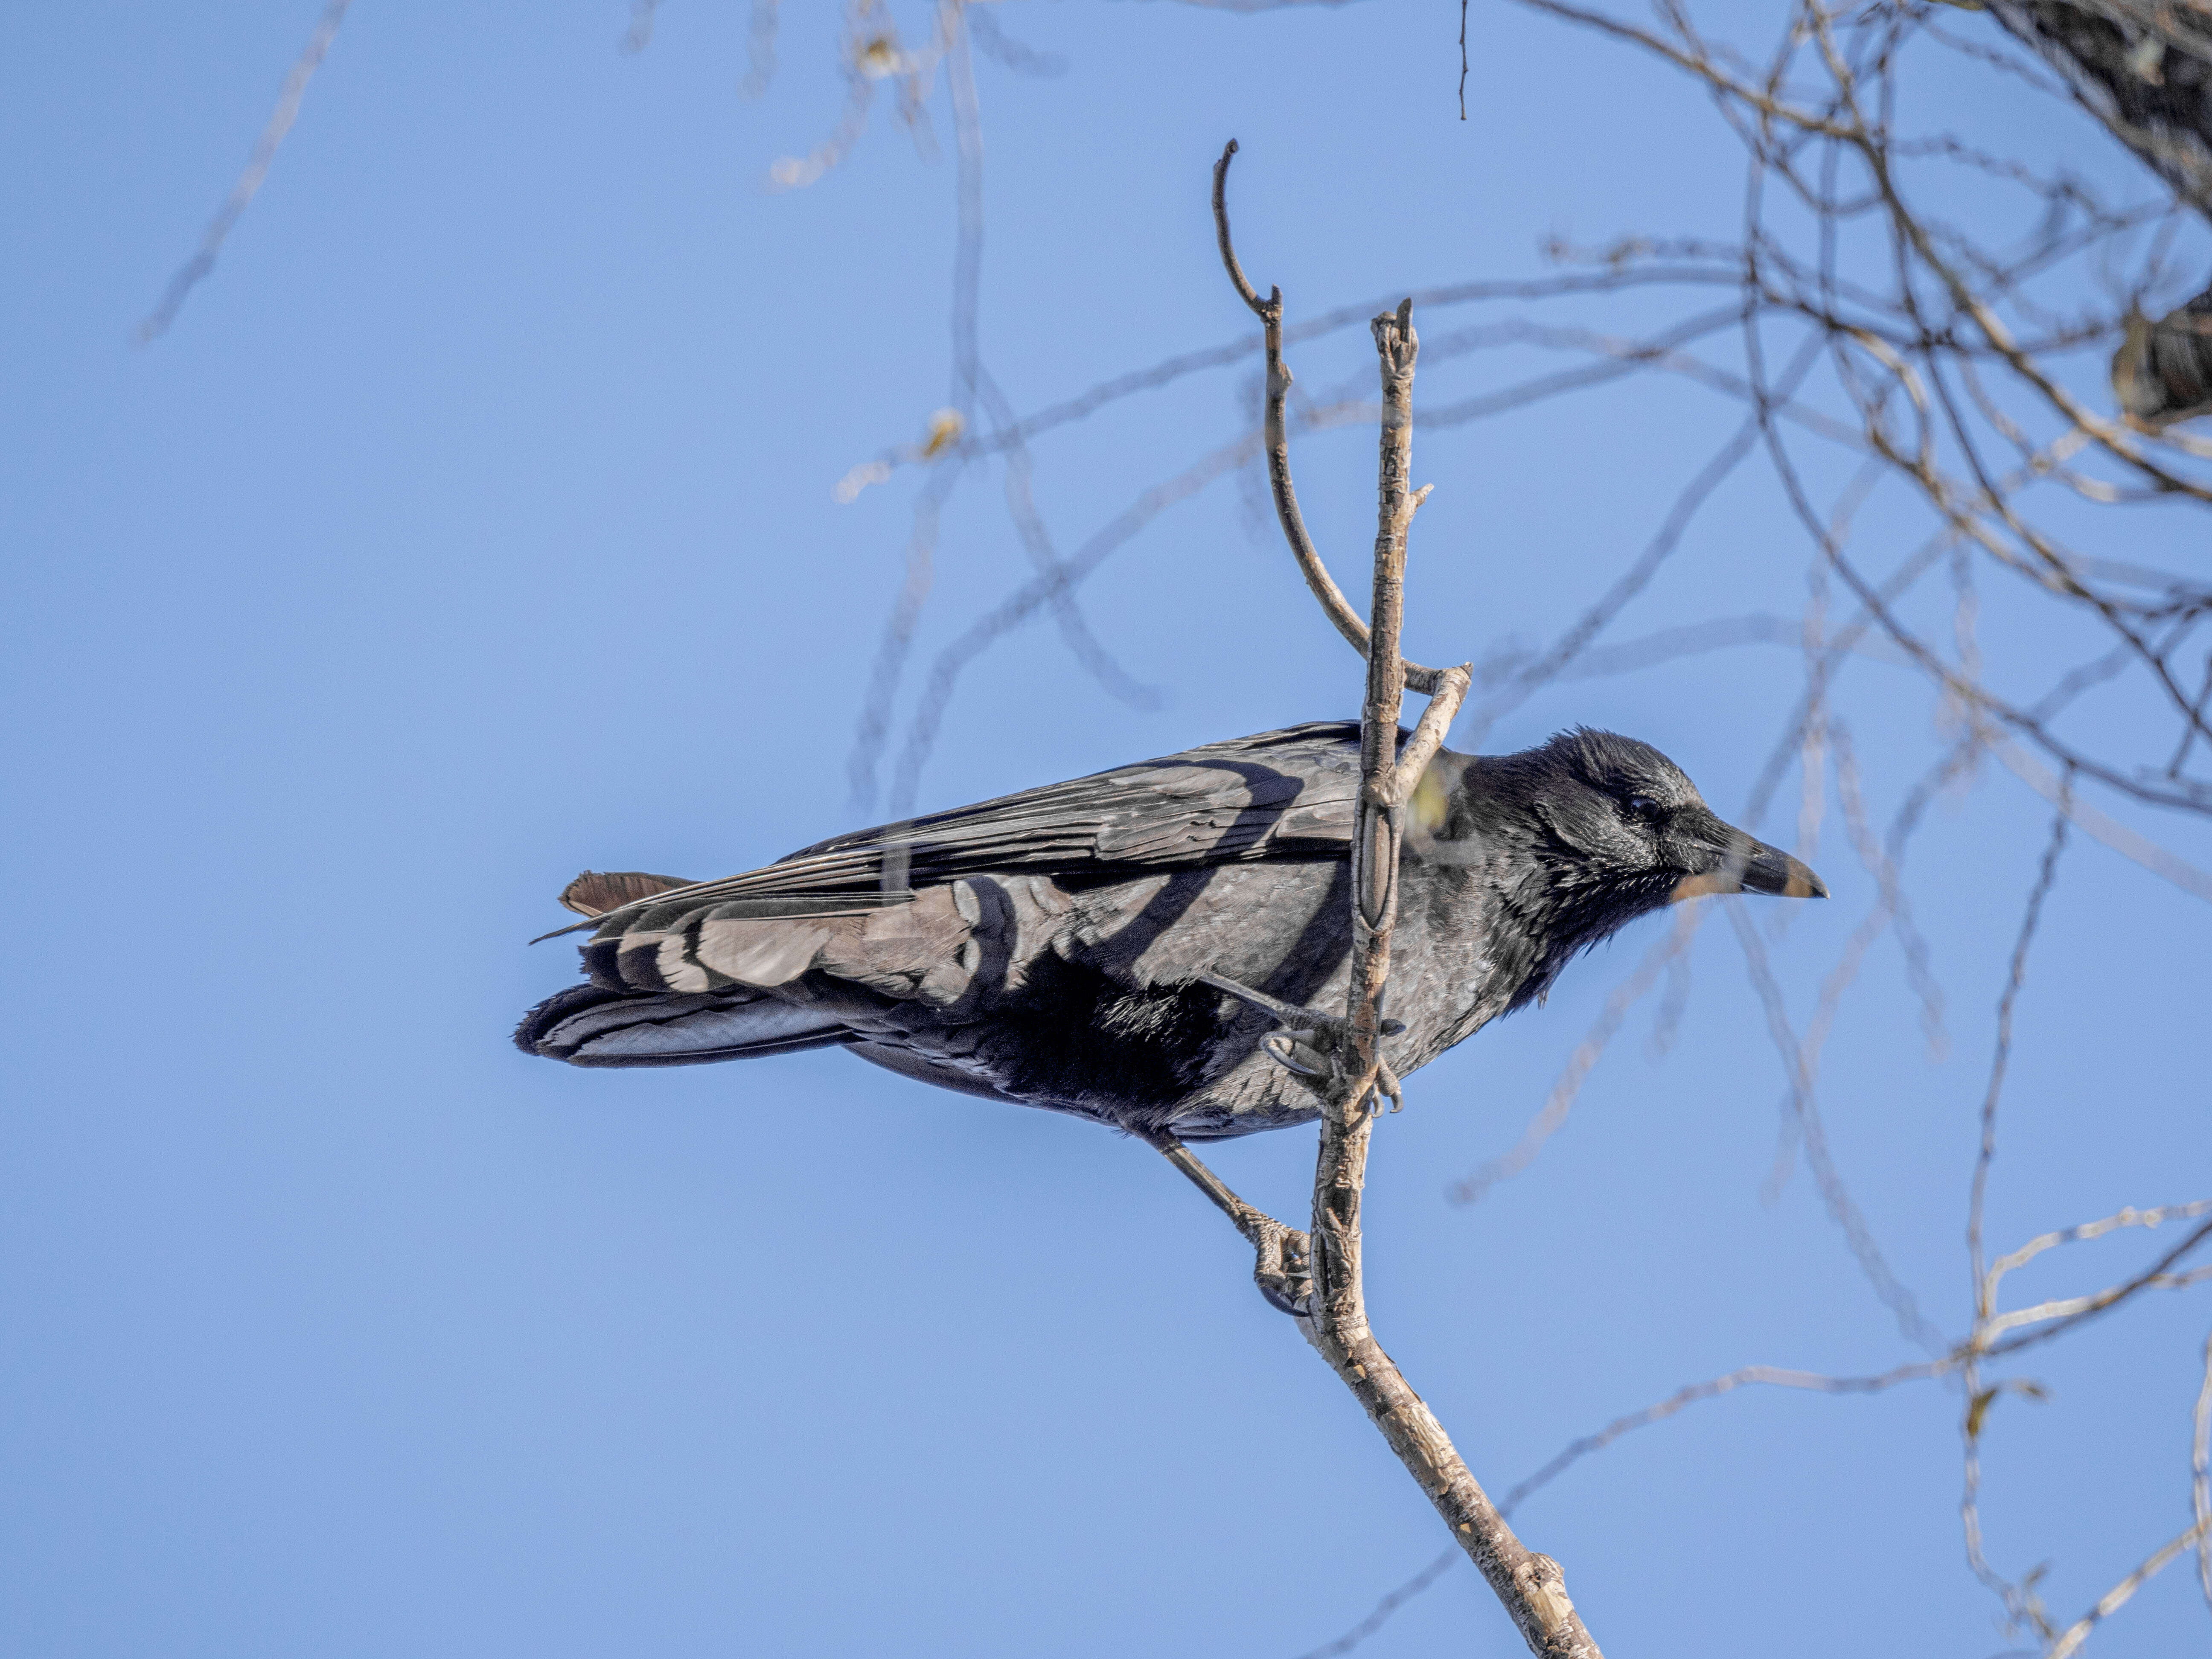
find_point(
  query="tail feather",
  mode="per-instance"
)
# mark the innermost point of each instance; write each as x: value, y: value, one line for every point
x: 900, y: 944
x: 591, y: 1025
x: 597, y: 891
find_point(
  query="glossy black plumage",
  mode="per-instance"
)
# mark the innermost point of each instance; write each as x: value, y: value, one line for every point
x: 1044, y: 948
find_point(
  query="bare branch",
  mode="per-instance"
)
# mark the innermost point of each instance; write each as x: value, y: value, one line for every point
x: 1774, y: 1377
x: 2116, y: 1597
x: 2046, y: 874
x: 1269, y: 311
x: 189, y: 275
x: 1576, y: 1450
x: 1380, y: 1614
x: 2156, y: 1276
x: 2094, y: 1230
x: 1530, y: 1586
x: 1552, y: 1116
x: 2061, y: 1307
x: 2200, y: 1473
x: 1802, y: 1102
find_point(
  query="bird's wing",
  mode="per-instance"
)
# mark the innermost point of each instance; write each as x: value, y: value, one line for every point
x: 1284, y: 794
x: 1280, y: 795
x: 889, y: 907
x: 939, y: 914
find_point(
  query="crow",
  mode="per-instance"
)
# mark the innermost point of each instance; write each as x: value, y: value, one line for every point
x: 1067, y: 947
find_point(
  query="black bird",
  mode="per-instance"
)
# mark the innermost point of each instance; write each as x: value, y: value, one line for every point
x: 1046, y: 948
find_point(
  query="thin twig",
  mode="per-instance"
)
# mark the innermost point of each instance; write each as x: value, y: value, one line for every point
x: 1269, y: 311
x: 2156, y: 1276
x: 189, y: 275
x: 2199, y: 1476
x: 1985, y: 1283
x: 1576, y: 1450
x: 2116, y: 1597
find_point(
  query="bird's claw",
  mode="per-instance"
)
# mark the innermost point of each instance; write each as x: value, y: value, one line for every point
x: 1386, y: 1085
x: 1283, y: 1269
x: 1298, y: 1051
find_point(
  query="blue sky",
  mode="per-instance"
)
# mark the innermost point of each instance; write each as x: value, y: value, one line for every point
x: 474, y: 525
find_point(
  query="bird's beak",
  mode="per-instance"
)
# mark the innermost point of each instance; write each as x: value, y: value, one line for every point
x: 1742, y: 864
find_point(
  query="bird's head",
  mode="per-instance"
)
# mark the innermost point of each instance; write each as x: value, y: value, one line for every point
x: 1622, y: 816
x: 1596, y: 829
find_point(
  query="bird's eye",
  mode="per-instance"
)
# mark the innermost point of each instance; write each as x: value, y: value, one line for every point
x: 1643, y: 808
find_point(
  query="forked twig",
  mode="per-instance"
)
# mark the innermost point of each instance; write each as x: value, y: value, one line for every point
x: 1269, y: 311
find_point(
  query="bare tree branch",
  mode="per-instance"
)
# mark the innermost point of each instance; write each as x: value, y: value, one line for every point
x: 189, y: 275
x: 2079, y: 1310
x: 1530, y: 1586
x: 2114, y: 1599
x: 1985, y: 1284
x: 1269, y: 311
x: 2200, y: 1471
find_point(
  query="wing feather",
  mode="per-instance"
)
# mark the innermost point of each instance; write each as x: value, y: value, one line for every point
x: 1287, y: 794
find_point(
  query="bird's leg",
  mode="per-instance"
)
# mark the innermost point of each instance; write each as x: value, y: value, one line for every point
x: 1289, y: 1013
x: 1283, y: 1259
x: 1312, y: 1040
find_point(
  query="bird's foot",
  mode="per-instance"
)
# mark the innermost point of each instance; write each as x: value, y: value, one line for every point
x: 1312, y: 1044
x: 1309, y: 1054
x: 1283, y: 1269
x: 1317, y: 1056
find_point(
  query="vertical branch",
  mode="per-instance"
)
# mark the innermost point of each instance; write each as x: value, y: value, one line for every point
x: 2199, y: 1476
x: 1530, y: 1586
x: 2021, y: 1605
x: 1381, y: 818
x: 2047, y: 873
x: 1339, y: 1315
